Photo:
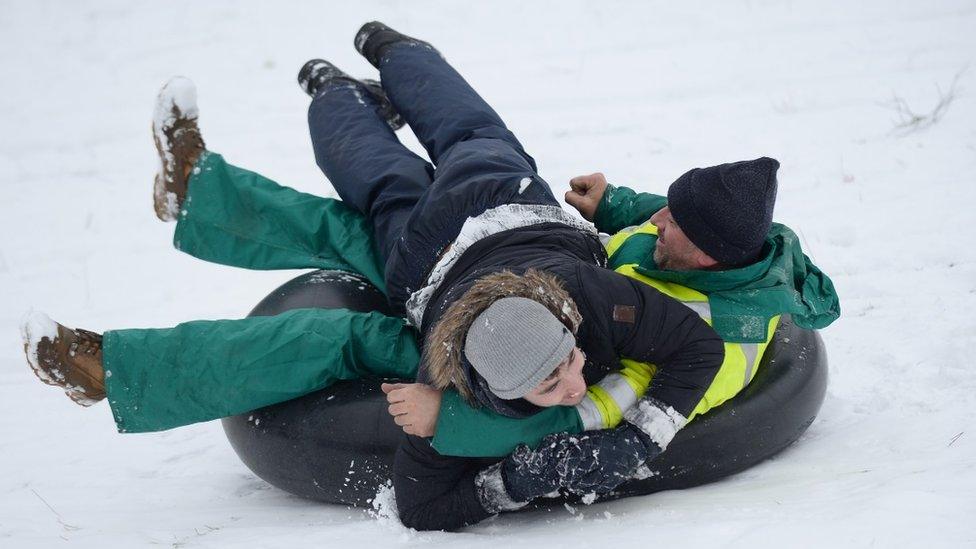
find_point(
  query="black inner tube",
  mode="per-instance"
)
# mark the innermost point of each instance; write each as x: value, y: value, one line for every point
x: 337, y: 445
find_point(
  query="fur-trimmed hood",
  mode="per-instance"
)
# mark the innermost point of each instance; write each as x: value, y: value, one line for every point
x: 443, y: 360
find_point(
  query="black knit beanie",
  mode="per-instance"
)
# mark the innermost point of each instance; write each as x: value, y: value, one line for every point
x: 726, y: 210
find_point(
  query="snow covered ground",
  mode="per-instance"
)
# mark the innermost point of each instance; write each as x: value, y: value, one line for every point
x: 641, y: 91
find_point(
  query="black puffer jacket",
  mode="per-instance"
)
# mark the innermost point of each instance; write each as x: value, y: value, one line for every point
x: 621, y: 318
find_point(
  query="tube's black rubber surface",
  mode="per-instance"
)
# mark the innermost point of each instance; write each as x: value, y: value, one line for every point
x: 337, y: 444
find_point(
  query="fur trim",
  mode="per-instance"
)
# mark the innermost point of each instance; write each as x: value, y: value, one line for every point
x: 493, y: 221
x: 445, y: 345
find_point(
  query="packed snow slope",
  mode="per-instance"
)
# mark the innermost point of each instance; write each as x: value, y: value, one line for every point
x: 868, y: 105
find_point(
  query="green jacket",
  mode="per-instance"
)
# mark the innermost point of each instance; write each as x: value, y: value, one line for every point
x: 742, y: 300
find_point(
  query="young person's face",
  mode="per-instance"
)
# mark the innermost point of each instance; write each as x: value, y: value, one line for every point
x: 565, y: 386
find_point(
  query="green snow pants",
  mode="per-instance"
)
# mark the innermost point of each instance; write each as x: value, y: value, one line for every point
x: 197, y: 371
x: 158, y: 379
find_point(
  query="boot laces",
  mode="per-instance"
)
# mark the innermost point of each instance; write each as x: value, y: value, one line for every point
x: 85, y: 342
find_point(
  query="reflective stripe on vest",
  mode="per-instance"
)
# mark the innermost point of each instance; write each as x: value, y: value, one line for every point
x: 589, y: 414
x: 605, y: 403
x: 751, y: 352
x: 703, y: 309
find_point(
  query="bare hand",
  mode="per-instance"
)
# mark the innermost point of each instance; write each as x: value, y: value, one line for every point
x: 586, y: 193
x: 414, y: 406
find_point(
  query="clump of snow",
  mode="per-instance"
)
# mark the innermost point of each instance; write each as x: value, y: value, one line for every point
x: 34, y: 327
x: 660, y: 423
x: 524, y: 184
x: 177, y: 99
x: 179, y: 92
x: 384, y: 504
x: 172, y: 204
x: 384, y: 510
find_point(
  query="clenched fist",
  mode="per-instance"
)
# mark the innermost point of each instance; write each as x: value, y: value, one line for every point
x: 414, y: 407
x: 586, y: 193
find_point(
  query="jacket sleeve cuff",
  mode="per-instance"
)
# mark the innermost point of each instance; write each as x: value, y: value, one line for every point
x: 656, y: 419
x: 604, y: 210
x: 622, y: 207
x: 490, y: 488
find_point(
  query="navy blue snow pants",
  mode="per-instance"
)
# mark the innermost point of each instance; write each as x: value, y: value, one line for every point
x: 415, y: 209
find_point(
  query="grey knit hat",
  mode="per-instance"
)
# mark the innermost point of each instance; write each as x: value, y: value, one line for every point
x: 515, y: 344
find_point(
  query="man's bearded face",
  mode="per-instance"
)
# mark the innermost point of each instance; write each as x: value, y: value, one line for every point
x: 674, y: 251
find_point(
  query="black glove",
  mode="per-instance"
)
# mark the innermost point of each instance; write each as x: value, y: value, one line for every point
x: 599, y: 461
x: 529, y: 473
x: 593, y: 462
x: 524, y: 475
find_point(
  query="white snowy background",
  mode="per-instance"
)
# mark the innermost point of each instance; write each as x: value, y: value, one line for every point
x: 641, y: 91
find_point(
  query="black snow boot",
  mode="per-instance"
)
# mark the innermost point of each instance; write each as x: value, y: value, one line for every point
x: 374, y: 37
x: 315, y: 74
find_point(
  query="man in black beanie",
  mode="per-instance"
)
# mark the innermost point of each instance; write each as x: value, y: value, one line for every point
x: 716, y: 218
x: 713, y: 234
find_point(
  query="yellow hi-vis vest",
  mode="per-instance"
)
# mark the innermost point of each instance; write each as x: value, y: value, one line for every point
x: 606, y: 401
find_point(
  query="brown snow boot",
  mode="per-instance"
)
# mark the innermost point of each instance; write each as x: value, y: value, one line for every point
x: 66, y: 358
x: 178, y: 142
